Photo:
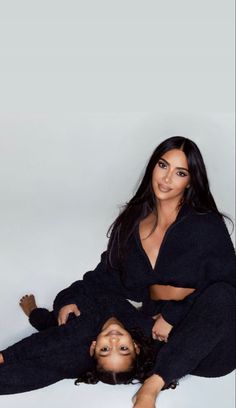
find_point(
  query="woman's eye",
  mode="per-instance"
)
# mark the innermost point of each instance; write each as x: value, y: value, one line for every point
x: 182, y: 174
x: 123, y: 348
x: 161, y: 164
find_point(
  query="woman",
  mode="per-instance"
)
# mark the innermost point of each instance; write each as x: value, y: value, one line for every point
x: 170, y: 249
x: 101, y: 341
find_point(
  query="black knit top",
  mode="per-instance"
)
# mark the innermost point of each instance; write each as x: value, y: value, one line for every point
x: 196, y: 252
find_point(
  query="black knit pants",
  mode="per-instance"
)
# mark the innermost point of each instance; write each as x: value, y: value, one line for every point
x: 55, y: 353
x: 204, y: 344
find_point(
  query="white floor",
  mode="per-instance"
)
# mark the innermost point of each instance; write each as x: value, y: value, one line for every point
x: 191, y: 393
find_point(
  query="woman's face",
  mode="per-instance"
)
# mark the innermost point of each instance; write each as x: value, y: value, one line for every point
x: 114, y: 349
x: 171, y: 176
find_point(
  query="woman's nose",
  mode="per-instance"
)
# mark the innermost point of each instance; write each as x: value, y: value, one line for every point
x: 167, y: 177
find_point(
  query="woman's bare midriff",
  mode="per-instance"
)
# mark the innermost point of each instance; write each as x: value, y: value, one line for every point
x: 167, y: 292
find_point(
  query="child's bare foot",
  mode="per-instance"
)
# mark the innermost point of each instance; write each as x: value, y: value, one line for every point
x: 28, y: 304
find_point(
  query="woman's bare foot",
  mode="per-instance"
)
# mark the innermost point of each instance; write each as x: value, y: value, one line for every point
x: 28, y: 304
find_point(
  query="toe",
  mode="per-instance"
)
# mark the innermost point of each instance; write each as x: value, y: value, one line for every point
x: 23, y: 298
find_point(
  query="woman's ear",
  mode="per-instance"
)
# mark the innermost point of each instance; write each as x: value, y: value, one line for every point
x: 137, y: 348
x: 92, y: 348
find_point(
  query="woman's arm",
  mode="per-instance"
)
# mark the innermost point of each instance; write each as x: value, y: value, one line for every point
x: 148, y: 392
x: 174, y: 311
x: 102, y: 280
x: 162, y: 327
x: 74, y: 293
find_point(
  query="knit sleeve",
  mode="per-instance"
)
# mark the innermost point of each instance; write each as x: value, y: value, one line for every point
x: 74, y: 294
x: 103, y: 279
x: 174, y: 311
x: 215, y: 262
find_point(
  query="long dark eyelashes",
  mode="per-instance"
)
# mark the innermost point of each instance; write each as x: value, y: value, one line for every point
x: 160, y: 163
x: 182, y: 174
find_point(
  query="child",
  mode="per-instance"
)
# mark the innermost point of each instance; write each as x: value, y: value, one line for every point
x: 100, y: 342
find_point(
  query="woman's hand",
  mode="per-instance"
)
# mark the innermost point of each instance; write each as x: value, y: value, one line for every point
x: 1, y: 359
x: 65, y: 311
x: 161, y: 329
x: 148, y: 392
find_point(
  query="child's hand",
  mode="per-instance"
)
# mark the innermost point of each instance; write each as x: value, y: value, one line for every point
x: 161, y: 329
x: 65, y: 311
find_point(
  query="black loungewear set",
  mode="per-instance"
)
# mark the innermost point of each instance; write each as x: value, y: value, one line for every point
x: 196, y: 252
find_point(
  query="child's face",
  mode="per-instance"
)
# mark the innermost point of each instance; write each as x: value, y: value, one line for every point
x: 114, y: 349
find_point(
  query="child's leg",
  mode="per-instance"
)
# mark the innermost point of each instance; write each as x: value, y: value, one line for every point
x: 46, y: 357
x: 26, y: 376
x: 39, y: 318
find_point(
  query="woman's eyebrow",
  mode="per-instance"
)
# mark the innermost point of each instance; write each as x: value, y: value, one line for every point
x: 179, y: 168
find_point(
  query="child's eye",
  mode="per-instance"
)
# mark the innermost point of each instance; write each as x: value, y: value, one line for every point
x: 105, y: 349
x: 123, y: 348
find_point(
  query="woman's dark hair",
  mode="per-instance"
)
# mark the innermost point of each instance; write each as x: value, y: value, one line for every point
x: 197, y: 196
x: 138, y: 372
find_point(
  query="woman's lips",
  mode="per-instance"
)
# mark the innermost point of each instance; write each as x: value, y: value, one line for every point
x: 164, y: 189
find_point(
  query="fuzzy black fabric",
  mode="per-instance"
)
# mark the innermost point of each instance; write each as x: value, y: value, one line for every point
x: 59, y: 352
x: 196, y: 252
x: 204, y: 343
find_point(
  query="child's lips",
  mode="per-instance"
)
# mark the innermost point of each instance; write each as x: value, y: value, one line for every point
x: 114, y: 333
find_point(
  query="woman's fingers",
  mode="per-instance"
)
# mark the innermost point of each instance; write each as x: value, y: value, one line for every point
x: 76, y: 311
x: 156, y: 316
x: 1, y: 358
x: 63, y: 318
x: 159, y: 337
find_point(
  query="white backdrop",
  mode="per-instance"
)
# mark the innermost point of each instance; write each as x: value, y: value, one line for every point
x: 87, y: 92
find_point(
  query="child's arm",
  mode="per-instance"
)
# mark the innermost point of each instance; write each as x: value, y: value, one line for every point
x: 65, y: 311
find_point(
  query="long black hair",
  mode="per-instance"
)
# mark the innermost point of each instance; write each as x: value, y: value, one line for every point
x: 197, y: 196
x: 140, y: 369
